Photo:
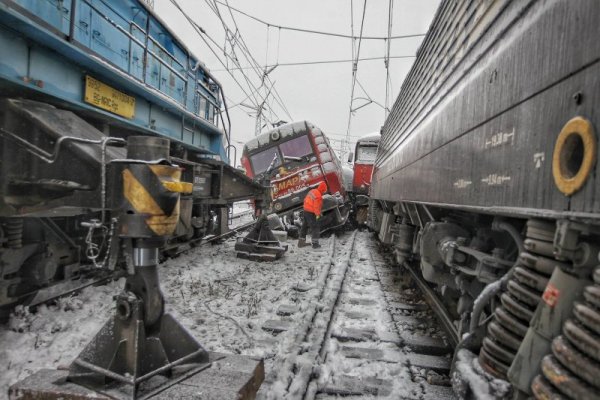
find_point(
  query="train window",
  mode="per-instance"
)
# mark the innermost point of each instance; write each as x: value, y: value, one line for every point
x: 261, y: 161
x: 211, y: 112
x: 298, y: 147
x: 202, y: 107
x: 366, y: 154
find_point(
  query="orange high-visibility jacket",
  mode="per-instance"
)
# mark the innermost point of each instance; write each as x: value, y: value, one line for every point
x: 313, y: 202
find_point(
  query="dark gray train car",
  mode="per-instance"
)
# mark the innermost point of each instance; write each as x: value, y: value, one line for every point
x: 485, y: 185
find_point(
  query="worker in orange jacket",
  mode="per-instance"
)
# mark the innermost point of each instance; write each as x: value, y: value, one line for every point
x: 313, y: 202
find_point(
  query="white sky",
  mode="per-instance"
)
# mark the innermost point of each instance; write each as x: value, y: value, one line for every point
x: 319, y: 93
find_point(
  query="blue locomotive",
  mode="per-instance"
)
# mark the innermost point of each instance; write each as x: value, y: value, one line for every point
x: 77, y: 79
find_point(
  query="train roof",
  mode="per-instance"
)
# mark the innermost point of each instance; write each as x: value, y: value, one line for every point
x: 374, y: 137
x: 289, y: 129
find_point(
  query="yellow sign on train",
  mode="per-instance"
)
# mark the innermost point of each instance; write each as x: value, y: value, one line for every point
x: 103, y: 96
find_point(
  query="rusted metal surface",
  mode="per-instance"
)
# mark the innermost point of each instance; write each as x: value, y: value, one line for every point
x: 574, y: 366
x: 229, y: 377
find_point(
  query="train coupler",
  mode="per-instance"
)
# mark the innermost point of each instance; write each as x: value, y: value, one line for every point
x: 260, y: 244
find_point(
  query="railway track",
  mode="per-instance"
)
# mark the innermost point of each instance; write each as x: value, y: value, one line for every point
x: 371, y: 333
x: 99, y: 277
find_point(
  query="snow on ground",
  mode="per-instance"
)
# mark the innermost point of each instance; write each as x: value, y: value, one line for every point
x: 225, y: 302
x: 54, y: 335
x: 222, y: 300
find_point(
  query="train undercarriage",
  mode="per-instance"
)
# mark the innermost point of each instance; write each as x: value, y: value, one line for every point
x: 507, y: 288
x: 57, y: 229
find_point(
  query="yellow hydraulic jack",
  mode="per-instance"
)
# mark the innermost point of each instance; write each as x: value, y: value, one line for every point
x: 143, y: 352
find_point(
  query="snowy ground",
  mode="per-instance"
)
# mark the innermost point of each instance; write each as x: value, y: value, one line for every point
x: 221, y: 299
x: 226, y: 302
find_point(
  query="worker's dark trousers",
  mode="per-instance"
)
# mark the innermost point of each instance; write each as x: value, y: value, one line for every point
x: 310, y: 220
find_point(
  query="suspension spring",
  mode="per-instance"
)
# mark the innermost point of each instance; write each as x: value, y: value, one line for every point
x: 14, y: 232
x: 519, y: 300
x: 573, y: 368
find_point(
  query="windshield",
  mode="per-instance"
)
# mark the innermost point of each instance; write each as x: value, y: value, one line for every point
x: 261, y: 161
x: 366, y: 154
x: 293, y: 150
x: 298, y: 147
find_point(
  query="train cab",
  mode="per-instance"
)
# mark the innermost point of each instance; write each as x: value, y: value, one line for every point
x: 294, y: 158
x: 364, y: 159
x: 366, y: 151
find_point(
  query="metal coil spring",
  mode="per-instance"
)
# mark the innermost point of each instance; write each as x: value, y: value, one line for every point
x: 14, y: 232
x: 518, y: 303
x: 573, y: 368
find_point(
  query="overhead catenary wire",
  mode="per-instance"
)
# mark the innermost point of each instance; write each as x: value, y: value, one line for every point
x: 201, y: 32
x: 312, y: 31
x: 254, y: 91
x: 261, y: 72
x: 230, y: 36
x: 234, y: 59
x: 317, y: 62
x: 248, y: 55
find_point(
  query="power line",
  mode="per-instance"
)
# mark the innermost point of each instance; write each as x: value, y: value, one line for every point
x: 291, y: 64
x: 234, y: 59
x: 201, y: 32
x: 245, y: 52
x: 341, y: 35
x: 248, y: 55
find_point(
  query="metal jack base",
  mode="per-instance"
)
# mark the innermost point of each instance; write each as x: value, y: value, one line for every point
x: 224, y: 377
x: 126, y: 352
x: 260, y: 244
x: 125, y: 360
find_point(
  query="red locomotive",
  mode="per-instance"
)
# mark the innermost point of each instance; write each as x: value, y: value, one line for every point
x: 295, y: 158
x: 366, y: 151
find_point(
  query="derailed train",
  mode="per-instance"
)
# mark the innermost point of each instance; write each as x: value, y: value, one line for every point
x: 77, y: 79
x: 293, y: 159
x: 485, y: 189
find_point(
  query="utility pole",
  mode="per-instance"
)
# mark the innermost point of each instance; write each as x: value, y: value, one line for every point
x: 259, y: 112
x: 258, y: 124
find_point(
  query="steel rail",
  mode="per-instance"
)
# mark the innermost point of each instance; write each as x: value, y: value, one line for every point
x: 435, y: 303
x: 94, y: 281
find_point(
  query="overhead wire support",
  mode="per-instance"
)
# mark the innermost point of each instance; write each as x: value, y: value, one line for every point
x: 355, y: 66
x: 341, y: 35
x: 231, y: 37
x: 387, y: 59
x: 248, y: 55
x: 201, y: 32
x: 235, y: 38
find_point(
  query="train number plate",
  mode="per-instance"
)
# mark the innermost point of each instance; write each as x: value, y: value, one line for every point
x: 103, y: 96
